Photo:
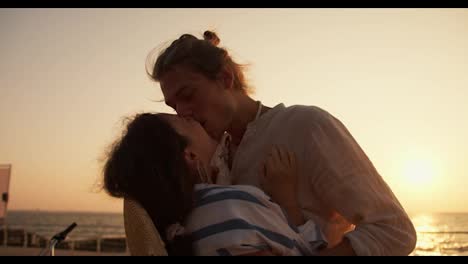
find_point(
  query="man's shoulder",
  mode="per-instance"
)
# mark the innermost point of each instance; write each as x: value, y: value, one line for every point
x: 311, y: 110
x: 304, y: 113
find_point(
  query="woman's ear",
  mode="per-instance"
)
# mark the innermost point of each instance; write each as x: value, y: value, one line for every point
x: 191, y: 158
x: 196, y: 166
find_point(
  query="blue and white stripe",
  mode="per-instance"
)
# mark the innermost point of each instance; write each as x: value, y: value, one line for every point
x: 240, y: 219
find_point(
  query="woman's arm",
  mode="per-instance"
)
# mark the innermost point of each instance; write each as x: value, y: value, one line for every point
x: 279, y: 179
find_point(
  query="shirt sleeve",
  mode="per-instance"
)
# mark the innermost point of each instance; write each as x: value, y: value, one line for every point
x: 313, y: 235
x: 343, y: 176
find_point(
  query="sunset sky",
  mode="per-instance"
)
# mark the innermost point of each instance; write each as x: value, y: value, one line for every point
x: 397, y: 78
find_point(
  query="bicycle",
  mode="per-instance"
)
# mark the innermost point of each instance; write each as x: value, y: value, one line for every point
x: 57, y: 239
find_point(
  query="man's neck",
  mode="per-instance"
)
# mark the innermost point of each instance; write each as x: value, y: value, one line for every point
x: 246, y: 113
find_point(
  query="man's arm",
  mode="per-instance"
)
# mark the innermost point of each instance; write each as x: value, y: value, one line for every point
x: 344, y: 177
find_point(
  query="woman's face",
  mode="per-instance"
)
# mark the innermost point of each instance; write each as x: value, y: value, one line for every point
x: 201, y: 146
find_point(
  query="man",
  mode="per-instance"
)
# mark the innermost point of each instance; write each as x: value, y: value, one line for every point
x: 339, y: 187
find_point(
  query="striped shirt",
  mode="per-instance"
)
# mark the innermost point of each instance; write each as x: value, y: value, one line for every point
x: 241, y: 219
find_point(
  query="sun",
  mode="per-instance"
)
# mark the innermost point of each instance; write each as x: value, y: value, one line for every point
x: 419, y: 171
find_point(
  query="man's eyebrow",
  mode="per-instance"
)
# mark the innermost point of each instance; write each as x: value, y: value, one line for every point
x: 177, y: 94
x: 183, y: 88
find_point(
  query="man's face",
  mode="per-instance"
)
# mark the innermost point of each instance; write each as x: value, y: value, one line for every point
x: 191, y: 94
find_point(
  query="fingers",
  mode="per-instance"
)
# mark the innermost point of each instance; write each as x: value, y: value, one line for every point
x: 292, y: 158
x: 289, y: 157
x: 277, y: 153
x: 280, y: 154
x: 270, y: 165
x: 279, y: 158
x: 262, y: 174
x: 285, y: 156
x: 214, y: 174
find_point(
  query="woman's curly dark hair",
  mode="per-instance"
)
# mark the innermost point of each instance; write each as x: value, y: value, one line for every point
x: 147, y: 164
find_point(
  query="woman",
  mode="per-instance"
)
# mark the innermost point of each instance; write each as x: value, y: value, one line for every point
x: 163, y: 162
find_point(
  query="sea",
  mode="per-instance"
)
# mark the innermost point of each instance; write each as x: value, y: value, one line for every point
x: 440, y: 234
x: 47, y: 224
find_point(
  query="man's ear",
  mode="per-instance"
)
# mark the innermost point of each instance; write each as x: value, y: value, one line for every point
x: 226, y: 76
